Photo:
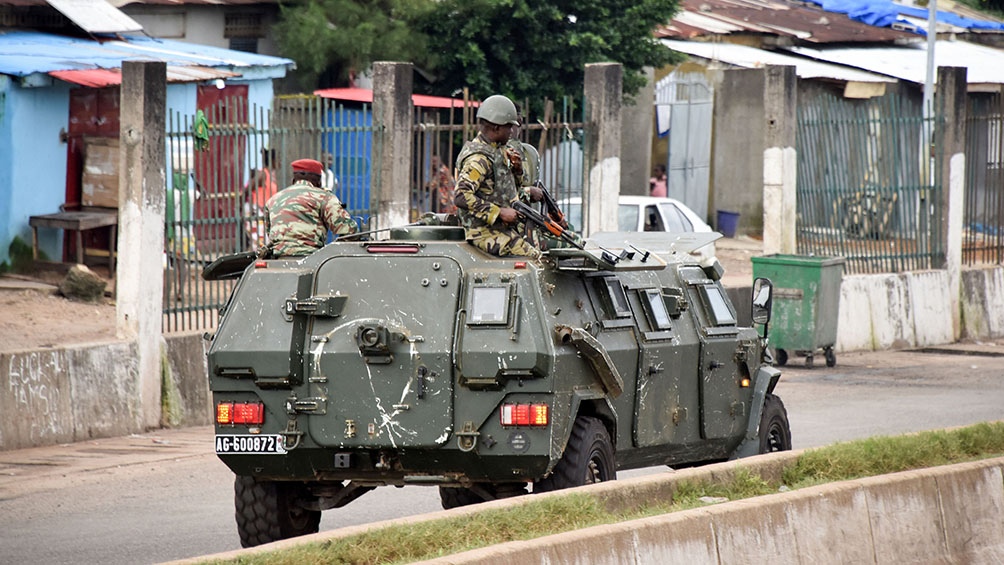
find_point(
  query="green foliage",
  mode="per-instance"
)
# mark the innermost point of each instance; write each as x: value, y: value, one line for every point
x: 21, y: 260
x: 343, y: 37
x: 535, y: 49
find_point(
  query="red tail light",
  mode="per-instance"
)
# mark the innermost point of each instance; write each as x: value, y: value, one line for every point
x: 244, y: 413
x: 524, y: 415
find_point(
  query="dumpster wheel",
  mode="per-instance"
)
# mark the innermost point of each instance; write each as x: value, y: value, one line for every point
x: 831, y: 357
x: 782, y: 358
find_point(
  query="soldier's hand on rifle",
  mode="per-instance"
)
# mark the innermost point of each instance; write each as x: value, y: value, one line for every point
x: 536, y: 194
x: 507, y: 215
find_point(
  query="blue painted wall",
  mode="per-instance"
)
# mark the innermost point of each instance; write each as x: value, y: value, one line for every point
x: 33, y: 159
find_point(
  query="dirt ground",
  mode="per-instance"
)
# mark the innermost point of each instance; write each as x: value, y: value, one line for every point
x: 34, y: 316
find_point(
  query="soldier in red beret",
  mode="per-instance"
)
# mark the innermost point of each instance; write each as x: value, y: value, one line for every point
x: 300, y: 216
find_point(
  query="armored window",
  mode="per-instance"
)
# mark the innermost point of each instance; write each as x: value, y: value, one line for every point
x: 655, y: 307
x: 489, y: 305
x: 719, y: 310
x: 617, y: 298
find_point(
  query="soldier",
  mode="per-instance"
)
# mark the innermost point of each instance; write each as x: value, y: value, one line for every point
x: 299, y: 217
x: 489, y: 174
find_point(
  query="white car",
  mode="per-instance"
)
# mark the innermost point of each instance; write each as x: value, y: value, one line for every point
x: 648, y: 214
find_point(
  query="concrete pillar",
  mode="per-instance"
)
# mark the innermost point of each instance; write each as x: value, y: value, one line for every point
x: 603, y: 146
x: 392, y: 143
x: 139, y: 285
x: 780, y: 101
x: 637, y: 125
x: 951, y: 140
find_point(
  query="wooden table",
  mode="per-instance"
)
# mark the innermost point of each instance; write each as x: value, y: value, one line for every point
x: 78, y: 221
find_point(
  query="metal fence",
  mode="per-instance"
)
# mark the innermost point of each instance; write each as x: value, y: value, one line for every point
x: 556, y: 131
x: 222, y: 169
x: 865, y: 184
x: 983, y: 231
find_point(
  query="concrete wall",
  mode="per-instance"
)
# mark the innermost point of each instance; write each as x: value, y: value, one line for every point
x: 913, y: 309
x: 941, y: 515
x: 737, y: 151
x: 88, y: 391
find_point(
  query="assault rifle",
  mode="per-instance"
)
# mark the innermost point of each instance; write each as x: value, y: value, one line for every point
x: 545, y: 223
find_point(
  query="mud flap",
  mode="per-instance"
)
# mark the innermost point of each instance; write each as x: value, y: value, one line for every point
x: 766, y: 378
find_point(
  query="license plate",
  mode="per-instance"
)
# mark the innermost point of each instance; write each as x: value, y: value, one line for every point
x: 250, y: 444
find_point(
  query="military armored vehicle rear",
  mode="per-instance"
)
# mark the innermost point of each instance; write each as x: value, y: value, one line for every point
x: 420, y: 360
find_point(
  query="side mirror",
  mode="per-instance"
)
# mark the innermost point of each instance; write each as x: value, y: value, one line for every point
x: 763, y: 296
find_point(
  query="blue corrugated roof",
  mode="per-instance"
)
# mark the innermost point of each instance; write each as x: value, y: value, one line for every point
x: 23, y: 53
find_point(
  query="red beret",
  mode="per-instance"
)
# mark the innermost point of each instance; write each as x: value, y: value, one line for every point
x: 307, y: 166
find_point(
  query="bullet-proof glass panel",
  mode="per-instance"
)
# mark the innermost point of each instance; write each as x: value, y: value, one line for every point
x: 718, y: 308
x: 618, y: 299
x: 489, y: 305
x: 656, y: 307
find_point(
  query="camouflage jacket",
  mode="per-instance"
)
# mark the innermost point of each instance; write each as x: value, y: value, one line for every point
x: 485, y: 184
x: 299, y: 218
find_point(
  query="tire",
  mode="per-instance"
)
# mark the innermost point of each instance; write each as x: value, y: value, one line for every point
x: 831, y: 357
x: 588, y: 458
x: 782, y: 358
x: 775, y: 433
x: 268, y: 511
x: 454, y: 497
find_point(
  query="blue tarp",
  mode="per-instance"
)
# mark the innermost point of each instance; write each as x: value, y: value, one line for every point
x: 884, y: 13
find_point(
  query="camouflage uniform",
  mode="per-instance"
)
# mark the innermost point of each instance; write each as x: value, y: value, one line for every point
x: 485, y: 185
x: 299, y: 218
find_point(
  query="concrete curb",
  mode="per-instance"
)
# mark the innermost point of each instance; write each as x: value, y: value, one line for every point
x: 942, y: 514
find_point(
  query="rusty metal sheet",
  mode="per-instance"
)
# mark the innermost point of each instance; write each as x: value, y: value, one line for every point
x: 777, y: 19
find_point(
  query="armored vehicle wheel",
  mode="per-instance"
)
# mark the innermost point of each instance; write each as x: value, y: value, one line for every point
x: 588, y: 458
x: 268, y: 511
x: 782, y: 358
x: 831, y: 357
x: 775, y: 434
x: 454, y: 497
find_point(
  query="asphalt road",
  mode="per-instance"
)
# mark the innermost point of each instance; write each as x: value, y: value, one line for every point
x: 163, y: 496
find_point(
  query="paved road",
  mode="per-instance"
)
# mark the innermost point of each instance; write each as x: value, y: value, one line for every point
x: 162, y: 496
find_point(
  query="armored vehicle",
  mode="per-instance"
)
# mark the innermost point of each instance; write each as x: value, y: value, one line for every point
x: 420, y: 360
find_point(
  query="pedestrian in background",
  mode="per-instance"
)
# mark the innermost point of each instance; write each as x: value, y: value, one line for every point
x: 657, y: 184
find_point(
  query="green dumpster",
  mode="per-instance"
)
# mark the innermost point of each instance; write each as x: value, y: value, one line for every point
x: 806, y: 304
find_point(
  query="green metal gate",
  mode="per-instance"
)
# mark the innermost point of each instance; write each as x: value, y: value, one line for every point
x: 866, y: 184
x: 983, y: 231
x: 224, y: 162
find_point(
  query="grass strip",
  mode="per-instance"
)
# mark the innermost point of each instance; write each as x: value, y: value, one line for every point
x: 543, y: 517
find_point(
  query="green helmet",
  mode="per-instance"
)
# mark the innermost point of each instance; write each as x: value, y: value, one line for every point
x: 531, y: 164
x: 498, y: 110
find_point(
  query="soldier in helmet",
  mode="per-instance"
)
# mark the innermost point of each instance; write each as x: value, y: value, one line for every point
x: 299, y: 217
x: 490, y: 174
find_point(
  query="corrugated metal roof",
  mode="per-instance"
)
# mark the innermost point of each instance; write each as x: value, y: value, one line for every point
x: 909, y: 62
x: 23, y: 53
x: 110, y: 77
x: 704, y: 18
x: 753, y: 58
x: 96, y: 16
x: 366, y: 95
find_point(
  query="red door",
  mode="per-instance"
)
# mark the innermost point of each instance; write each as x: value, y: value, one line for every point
x: 94, y: 112
x: 219, y: 172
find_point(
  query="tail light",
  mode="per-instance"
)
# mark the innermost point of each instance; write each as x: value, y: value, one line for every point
x: 524, y: 415
x: 245, y: 413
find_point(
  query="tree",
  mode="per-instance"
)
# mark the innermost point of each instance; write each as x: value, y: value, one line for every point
x: 339, y: 38
x: 538, y: 48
